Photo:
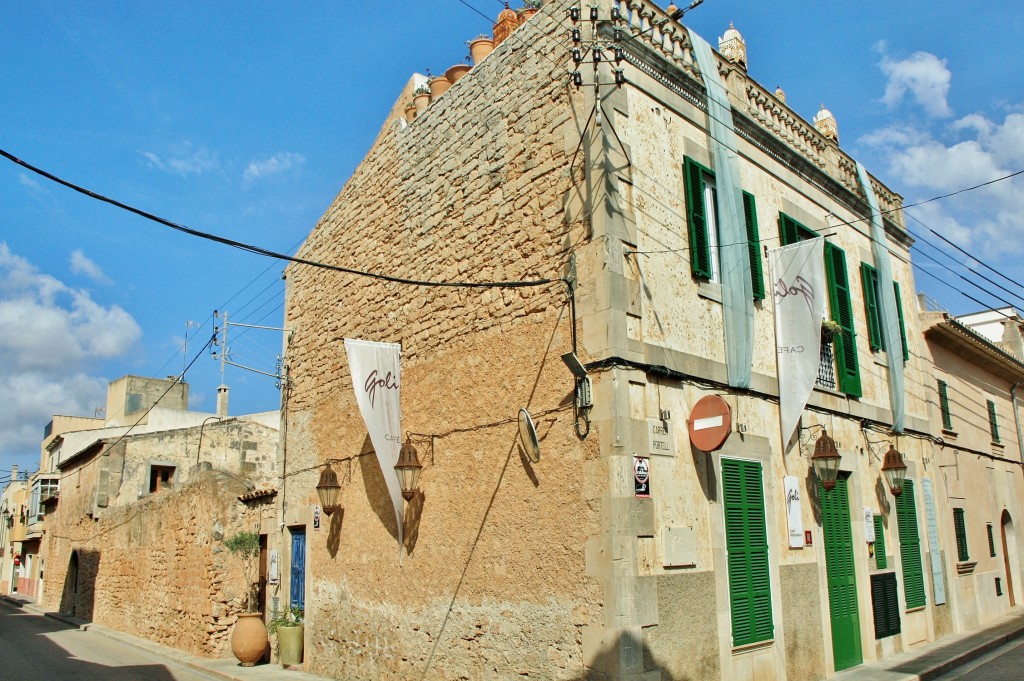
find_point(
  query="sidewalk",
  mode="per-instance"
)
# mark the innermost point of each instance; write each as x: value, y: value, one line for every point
x: 935, y: 659
x: 225, y: 668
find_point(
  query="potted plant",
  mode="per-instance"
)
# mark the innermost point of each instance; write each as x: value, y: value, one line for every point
x: 410, y: 111
x: 829, y: 330
x: 421, y: 98
x: 480, y: 47
x: 438, y: 86
x: 456, y: 72
x: 249, y: 638
x: 530, y: 7
x: 287, y: 625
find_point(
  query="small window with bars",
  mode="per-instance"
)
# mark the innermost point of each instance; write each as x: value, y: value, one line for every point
x: 991, y: 541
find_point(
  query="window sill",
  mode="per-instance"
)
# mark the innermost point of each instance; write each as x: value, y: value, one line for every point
x: 998, y: 446
x: 750, y: 647
x: 710, y: 290
x: 949, y: 434
x: 966, y: 567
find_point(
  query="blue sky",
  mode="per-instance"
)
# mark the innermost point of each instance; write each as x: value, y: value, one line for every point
x: 245, y: 120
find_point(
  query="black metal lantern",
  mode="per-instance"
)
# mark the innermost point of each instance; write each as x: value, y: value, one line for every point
x: 826, y: 460
x: 408, y: 468
x: 328, y: 489
x: 895, y: 470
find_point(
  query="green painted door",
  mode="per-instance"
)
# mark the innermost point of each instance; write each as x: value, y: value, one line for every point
x: 842, y: 581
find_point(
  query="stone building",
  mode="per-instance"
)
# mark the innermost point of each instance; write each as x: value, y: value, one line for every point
x: 133, y: 538
x: 13, y: 528
x: 520, y: 219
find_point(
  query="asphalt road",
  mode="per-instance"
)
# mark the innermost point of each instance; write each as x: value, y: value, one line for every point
x: 37, y: 648
x: 1002, y: 664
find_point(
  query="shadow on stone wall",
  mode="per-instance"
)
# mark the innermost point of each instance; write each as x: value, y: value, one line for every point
x: 78, y: 597
x: 376, y: 488
x: 335, y: 522
x: 627, y: 657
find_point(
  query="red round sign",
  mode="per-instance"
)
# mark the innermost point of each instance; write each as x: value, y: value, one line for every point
x: 710, y: 423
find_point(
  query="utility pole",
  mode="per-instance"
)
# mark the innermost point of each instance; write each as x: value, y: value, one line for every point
x: 223, y: 356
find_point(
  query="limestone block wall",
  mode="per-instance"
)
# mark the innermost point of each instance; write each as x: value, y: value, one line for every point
x: 155, y: 568
x: 493, y: 582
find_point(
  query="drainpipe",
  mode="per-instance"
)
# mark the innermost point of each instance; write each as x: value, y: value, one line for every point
x: 1016, y: 418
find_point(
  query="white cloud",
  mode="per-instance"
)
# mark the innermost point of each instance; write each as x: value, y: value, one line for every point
x: 30, y: 182
x: 184, y: 159
x: 82, y: 265
x: 53, y: 338
x: 274, y: 165
x: 924, y: 76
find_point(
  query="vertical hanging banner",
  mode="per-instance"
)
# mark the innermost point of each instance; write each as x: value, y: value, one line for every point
x: 798, y: 278
x: 375, y: 378
x: 794, y: 514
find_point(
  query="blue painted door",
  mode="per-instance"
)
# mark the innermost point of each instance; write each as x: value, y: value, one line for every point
x: 298, y: 590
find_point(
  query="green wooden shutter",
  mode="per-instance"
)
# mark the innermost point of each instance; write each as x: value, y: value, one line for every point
x: 910, y: 547
x: 753, y: 245
x: 961, y: 535
x: 789, y: 230
x: 947, y: 419
x: 886, y: 604
x: 697, y: 221
x: 881, y: 562
x: 991, y: 541
x: 746, y: 539
x: 903, y: 327
x: 993, y: 424
x: 841, y: 577
x: 869, y: 282
x: 842, y: 312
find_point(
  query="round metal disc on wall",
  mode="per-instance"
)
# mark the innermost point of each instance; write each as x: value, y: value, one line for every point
x: 528, y: 434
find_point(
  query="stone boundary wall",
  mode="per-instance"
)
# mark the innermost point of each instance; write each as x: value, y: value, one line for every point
x: 155, y: 568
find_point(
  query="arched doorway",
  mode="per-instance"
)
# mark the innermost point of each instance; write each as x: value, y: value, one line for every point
x: 1010, y: 555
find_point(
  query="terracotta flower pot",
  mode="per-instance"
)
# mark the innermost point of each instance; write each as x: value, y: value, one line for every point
x: 438, y: 86
x: 421, y: 102
x: 456, y: 72
x: 410, y: 113
x: 525, y: 15
x: 480, y: 48
x: 289, y: 645
x: 249, y: 638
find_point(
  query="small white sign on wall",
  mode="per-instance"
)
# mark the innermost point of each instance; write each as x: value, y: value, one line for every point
x: 869, y: 525
x: 274, y: 571
x: 794, y: 515
x: 660, y: 439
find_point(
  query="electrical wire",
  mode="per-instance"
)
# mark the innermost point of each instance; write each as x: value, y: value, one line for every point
x: 257, y: 250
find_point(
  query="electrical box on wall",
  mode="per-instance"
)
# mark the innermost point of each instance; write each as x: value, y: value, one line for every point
x: 679, y: 547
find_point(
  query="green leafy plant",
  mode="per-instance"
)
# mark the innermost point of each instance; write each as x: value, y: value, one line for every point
x: 830, y: 329
x: 292, y: 617
x: 531, y: 4
x: 421, y: 90
x: 245, y: 545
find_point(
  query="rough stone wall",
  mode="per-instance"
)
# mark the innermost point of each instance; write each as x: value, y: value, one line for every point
x: 493, y: 584
x: 155, y: 568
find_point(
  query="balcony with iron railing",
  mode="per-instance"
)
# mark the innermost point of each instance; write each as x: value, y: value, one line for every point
x: 826, y: 367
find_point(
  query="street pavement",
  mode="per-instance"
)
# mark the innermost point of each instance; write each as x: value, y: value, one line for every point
x: 37, y: 648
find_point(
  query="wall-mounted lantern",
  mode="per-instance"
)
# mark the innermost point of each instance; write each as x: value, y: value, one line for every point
x: 895, y: 470
x: 826, y: 460
x: 328, y: 489
x: 408, y: 468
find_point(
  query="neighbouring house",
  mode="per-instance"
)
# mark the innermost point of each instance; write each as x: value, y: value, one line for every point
x: 13, y: 529
x: 568, y: 236
x: 980, y: 491
x: 139, y: 505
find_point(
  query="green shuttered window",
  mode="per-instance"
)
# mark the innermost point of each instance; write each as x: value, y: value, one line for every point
x: 993, y: 423
x: 961, y: 535
x: 881, y: 562
x: 947, y: 418
x: 699, y: 217
x: 746, y: 538
x: 991, y: 541
x: 848, y: 370
x: 886, y: 604
x: 910, y: 547
x: 873, y: 311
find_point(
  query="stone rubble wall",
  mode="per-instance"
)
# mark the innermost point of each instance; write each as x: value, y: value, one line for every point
x: 155, y: 568
x: 493, y: 583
